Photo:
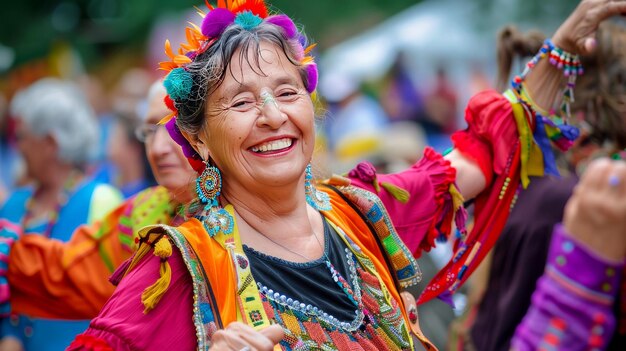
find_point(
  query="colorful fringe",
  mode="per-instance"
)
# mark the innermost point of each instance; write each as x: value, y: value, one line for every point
x: 530, y: 155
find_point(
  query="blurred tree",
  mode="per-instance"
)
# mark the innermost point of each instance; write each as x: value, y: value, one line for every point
x: 97, y: 27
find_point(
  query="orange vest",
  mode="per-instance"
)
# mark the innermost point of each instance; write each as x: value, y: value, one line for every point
x: 218, y: 258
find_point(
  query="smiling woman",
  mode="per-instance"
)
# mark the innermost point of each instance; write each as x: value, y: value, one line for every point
x: 271, y: 257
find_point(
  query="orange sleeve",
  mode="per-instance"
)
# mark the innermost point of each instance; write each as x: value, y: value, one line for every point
x: 69, y: 280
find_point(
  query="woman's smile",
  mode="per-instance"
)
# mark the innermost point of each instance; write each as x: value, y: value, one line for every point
x: 273, y: 147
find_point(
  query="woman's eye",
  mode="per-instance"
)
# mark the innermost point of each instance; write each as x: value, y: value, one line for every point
x: 240, y: 104
x: 287, y: 93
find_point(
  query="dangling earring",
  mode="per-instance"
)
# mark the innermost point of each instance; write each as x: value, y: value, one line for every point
x: 317, y: 199
x: 209, y: 187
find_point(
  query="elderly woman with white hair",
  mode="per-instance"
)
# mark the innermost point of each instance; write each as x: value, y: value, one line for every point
x: 56, y: 136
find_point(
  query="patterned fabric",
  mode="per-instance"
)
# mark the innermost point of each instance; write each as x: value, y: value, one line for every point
x: 404, y: 265
x: 577, y: 287
x: 151, y: 206
x: 381, y: 324
x: 203, y: 299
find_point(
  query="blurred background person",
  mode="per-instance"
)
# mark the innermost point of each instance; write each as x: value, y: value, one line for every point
x: 520, y: 254
x: 70, y: 280
x: 355, y: 122
x: 127, y: 153
x: 441, y: 105
x: 399, y: 95
x: 56, y: 136
x: 121, y: 158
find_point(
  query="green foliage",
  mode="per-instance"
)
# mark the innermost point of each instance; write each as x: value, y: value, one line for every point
x: 31, y: 27
x: 98, y: 27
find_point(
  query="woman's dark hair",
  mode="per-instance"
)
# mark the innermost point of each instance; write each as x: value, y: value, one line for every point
x: 209, y: 68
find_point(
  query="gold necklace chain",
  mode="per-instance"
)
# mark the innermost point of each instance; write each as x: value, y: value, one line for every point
x: 308, y: 259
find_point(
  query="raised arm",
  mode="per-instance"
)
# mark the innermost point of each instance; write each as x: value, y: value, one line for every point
x: 53, y: 279
x: 574, y: 301
x: 543, y: 86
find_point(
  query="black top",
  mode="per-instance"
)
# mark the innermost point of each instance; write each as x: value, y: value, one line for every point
x: 310, y: 282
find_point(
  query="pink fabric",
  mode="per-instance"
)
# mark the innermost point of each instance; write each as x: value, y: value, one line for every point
x: 123, y: 325
x: 427, y: 181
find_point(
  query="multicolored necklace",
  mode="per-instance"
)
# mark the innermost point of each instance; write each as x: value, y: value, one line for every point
x: 68, y: 188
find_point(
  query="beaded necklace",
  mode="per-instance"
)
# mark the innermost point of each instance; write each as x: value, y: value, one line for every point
x: 355, y: 296
x: 68, y: 188
x: 312, y: 311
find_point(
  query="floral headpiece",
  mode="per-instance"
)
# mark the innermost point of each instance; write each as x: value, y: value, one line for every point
x: 246, y: 13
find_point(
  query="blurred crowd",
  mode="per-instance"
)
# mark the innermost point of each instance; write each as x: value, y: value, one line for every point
x: 387, y: 121
x: 84, y: 139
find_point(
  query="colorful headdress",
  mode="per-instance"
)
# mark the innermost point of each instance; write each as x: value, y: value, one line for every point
x: 247, y: 14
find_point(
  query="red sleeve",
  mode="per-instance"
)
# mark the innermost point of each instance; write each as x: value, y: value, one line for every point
x: 490, y: 135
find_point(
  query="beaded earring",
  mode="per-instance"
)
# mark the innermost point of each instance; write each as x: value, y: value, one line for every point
x: 209, y: 187
x: 317, y: 199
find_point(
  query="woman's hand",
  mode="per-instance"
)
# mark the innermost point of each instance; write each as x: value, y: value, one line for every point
x: 596, y: 212
x: 238, y: 336
x: 577, y: 34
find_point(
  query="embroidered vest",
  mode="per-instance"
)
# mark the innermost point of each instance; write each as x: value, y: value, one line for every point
x: 383, y: 265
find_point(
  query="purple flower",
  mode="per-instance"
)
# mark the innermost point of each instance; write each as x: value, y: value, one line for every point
x: 364, y: 171
x: 216, y: 21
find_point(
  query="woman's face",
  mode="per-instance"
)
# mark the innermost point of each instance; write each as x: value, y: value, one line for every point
x: 169, y: 165
x: 259, y: 122
x: 38, y: 151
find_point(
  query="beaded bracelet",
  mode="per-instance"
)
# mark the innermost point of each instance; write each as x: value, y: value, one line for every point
x: 569, y: 63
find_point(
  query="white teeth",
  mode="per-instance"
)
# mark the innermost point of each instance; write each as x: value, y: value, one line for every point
x: 273, y: 145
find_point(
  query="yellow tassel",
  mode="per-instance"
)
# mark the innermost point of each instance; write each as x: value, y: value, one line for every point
x: 142, y: 250
x: 397, y: 192
x: 457, y: 198
x: 376, y: 186
x: 163, y: 248
x: 153, y: 294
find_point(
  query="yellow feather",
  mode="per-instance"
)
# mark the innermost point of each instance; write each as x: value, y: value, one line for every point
x: 309, y: 48
x: 166, y: 118
x: 199, y: 11
x: 181, y: 59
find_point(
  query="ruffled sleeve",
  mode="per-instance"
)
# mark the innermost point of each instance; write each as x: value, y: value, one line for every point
x: 122, y: 324
x: 420, y: 200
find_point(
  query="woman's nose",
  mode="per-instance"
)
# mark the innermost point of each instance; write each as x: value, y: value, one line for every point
x: 271, y: 113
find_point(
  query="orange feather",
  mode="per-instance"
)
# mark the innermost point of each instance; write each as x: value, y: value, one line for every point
x: 168, y: 49
x: 167, y: 118
x: 309, y: 48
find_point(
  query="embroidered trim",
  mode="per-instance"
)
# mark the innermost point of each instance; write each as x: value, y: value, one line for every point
x: 316, y: 313
x: 576, y: 288
x: 404, y: 266
x: 205, y: 321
